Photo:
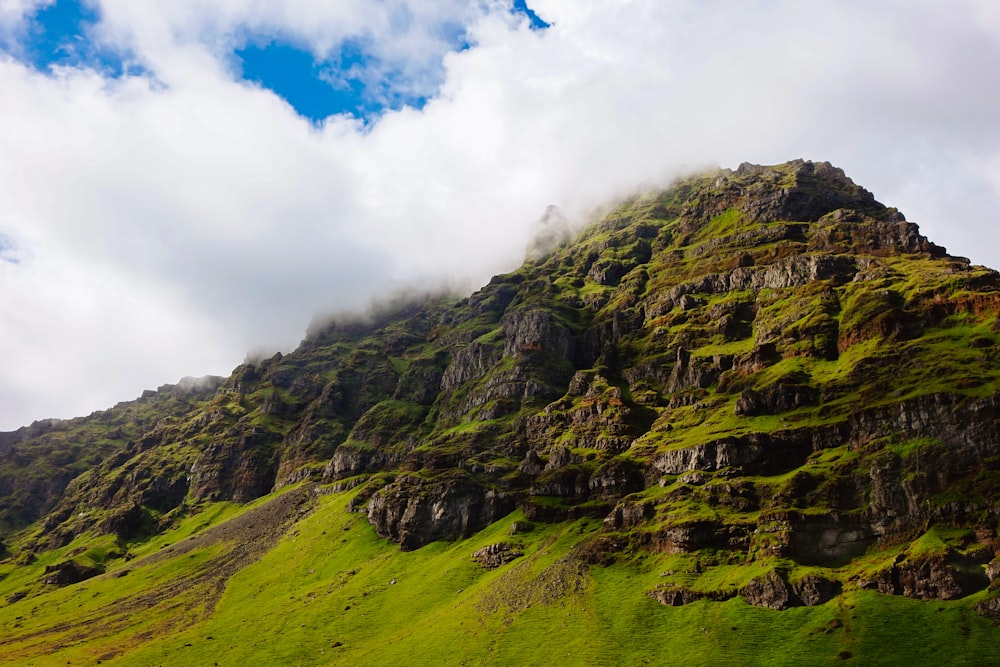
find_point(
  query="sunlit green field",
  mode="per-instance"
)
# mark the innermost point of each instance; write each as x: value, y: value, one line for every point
x: 331, y: 592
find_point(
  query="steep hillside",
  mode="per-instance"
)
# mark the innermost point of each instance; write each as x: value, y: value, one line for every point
x: 757, y: 390
x: 38, y: 461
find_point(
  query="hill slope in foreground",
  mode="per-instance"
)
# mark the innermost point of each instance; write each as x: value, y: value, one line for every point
x: 751, y: 419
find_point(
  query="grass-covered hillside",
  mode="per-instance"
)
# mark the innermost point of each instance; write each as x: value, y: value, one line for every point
x: 750, y: 419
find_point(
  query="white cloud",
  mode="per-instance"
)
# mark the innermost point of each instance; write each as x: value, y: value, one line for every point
x: 166, y: 228
x: 13, y: 12
x: 404, y: 36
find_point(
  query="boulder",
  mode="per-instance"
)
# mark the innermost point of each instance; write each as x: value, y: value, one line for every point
x: 771, y: 591
x: 69, y: 572
x: 496, y: 555
x: 674, y: 595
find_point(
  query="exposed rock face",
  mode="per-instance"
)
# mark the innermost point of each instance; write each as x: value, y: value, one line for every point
x: 809, y: 198
x: 824, y: 539
x: 615, y: 480
x: 413, y: 511
x: 773, y: 591
x: 469, y: 363
x: 770, y: 590
x: 936, y: 577
x: 691, y: 536
x: 711, y: 456
x: 775, y: 399
x: 814, y: 590
x: 594, y: 411
x: 629, y: 515
x: 993, y: 570
x: 126, y: 522
x: 791, y: 272
x: 533, y: 330
x: 349, y: 461
x: 240, y: 469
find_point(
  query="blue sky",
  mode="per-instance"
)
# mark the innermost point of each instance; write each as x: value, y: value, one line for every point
x: 185, y: 182
x: 313, y: 88
x: 349, y: 80
x: 59, y: 35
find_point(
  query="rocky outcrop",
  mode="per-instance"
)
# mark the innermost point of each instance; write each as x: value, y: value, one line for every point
x: 629, y: 514
x: 760, y: 453
x: 846, y: 230
x: 69, y: 572
x: 695, y: 373
x: 946, y: 576
x: 710, y: 456
x: 675, y: 595
x: 990, y: 608
x: 497, y: 555
x: 532, y: 330
x: 798, y: 190
x: 770, y: 590
x: 690, y: 536
x: 504, y: 392
x: 127, y: 522
x: 241, y: 467
x: 616, y: 479
x: 819, y: 539
x: 773, y: 591
x: 594, y: 412
x: 778, y: 398
x: 469, y: 363
x: 566, y: 481
x: 795, y: 271
x: 812, y: 590
x: 350, y: 460
x: 413, y: 511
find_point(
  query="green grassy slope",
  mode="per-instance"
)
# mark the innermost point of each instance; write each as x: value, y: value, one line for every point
x: 331, y: 592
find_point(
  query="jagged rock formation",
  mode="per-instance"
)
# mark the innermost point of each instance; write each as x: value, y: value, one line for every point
x: 766, y: 362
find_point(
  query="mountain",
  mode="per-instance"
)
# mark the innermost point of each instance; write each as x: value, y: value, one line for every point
x: 753, y: 417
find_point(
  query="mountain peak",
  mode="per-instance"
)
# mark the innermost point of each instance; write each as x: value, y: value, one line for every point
x: 760, y: 377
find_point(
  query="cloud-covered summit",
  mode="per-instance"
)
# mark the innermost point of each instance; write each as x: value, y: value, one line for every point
x: 163, y: 218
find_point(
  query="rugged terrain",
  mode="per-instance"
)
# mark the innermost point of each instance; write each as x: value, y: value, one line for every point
x: 753, y: 416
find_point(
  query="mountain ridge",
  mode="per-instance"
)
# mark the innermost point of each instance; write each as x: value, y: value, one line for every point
x: 764, y: 370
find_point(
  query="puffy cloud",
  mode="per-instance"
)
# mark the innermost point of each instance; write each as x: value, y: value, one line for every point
x: 165, y: 224
x: 13, y: 12
x: 401, y: 38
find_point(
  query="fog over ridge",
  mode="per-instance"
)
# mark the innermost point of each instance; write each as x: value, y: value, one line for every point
x: 162, y: 224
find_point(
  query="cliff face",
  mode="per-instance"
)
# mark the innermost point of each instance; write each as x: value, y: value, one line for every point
x: 764, y: 362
